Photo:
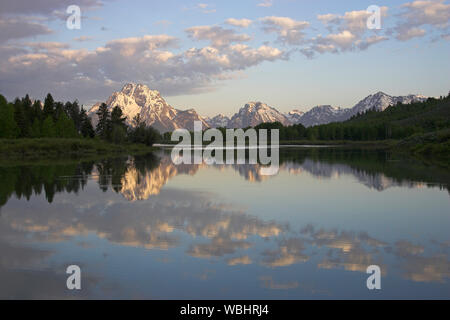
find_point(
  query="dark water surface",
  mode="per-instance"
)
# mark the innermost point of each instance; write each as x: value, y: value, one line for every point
x: 142, y: 227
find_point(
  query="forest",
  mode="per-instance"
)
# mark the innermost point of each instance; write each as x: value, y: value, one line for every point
x: 25, y: 118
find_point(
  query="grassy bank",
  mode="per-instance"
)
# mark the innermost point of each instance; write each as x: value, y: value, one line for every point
x: 50, y: 148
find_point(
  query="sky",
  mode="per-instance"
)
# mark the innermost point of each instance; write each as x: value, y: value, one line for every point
x: 215, y: 56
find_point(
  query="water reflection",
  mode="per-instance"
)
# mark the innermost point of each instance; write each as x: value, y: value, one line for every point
x: 111, y: 210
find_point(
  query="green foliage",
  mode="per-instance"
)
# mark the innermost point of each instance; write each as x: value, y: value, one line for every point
x: 48, y: 128
x: 140, y: 133
x: 104, y: 122
x: 86, y: 128
x: 396, y: 122
x: 65, y: 127
x: 8, y: 125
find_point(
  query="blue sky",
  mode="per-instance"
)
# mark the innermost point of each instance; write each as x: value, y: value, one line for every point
x: 287, y: 53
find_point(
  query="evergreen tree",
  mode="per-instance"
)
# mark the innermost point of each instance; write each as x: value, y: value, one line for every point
x: 36, y: 129
x: 65, y: 127
x: 117, y: 118
x: 48, y: 128
x: 104, y: 122
x: 8, y: 126
x: 73, y: 111
x: 20, y: 117
x: 86, y: 128
x: 36, y: 111
x: 49, y: 106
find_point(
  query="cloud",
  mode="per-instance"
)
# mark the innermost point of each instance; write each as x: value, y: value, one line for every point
x: 422, y: 13
x: 239, y: 260
x: 265, y: 3
x: 243, y: 23
x: 218, y: 36
x: 289, y: 31
x: 409, y: 33
x: 205, y: 8
x: 83, y: 38
x: 353, y: 21
x: 44, y: 7
x: 14, y: 28
x: 347, y: 32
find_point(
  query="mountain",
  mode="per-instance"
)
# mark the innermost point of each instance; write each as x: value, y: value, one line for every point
x: 219, y: 121
x: 294, y: 116
x: 254, y: 113
x: 378, y: 101
x: 323, y: 114
x: 154, y: 110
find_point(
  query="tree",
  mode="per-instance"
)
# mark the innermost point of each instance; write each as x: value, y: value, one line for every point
x: 21, y: 118
x: 36, y: 129
x: 8, y: 125
x: 49, y: 105
x: 104, y: 122
x: 117, y: 118
x: 48, y: 128
x: 140, y: 133
x: 65, y: 127
x: 86, y: 128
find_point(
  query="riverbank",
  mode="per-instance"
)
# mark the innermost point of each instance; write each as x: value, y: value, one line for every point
x: 51, y: 148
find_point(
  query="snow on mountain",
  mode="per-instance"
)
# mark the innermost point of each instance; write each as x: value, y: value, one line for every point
x: 254, y: 113
x: 323, y: 114
x: 219, y: 121
x: 378, y: 101
x: 154, y: 110
x: 294, y: 116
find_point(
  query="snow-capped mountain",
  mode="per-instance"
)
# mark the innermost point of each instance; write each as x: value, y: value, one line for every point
x: 322, y: 115
x: 219, y: 121
x: 294, y: 116
x: 378, y: 101
x: 254, y: 113
x: 154, y: 110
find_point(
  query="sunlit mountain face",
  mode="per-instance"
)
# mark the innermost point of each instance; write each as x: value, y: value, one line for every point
x: 143, y: 227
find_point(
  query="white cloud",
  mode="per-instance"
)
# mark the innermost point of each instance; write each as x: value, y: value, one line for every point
x: 218, y: 36
x: 409, y: 33
x: 265, y: 3
x: 243, y: 23
x: 422, y: 13
x: 289, y: 31
x: 151, y: 59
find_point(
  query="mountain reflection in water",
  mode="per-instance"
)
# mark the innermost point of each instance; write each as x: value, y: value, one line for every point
x: 142, y: 227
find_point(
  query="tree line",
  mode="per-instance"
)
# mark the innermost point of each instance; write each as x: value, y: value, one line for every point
x: 25, y: 118
x: 395, y: 122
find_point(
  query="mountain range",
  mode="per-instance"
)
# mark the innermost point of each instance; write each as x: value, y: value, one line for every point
x: 155, y: 111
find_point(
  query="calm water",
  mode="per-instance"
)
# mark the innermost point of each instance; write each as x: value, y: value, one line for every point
x: 144, y: 228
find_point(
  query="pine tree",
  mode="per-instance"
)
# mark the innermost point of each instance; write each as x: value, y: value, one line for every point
x: 21, y: 119
x: 8, y: 126
x: 48, y: 128
x: 65, y: 127
x: 86, y: 129
x: 49, y: 106
x: 36, y: 111
x: 104, y: 122
x: 36, y: 129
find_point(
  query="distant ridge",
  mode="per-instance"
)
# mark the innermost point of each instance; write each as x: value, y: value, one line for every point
x: 155, y: 111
